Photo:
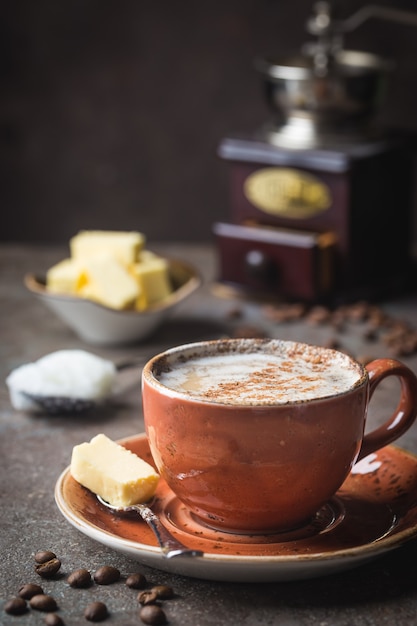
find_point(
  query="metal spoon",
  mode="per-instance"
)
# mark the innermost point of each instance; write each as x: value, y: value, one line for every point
x: 73, y: 405
x: 61, y: 405
x: 170, y: 546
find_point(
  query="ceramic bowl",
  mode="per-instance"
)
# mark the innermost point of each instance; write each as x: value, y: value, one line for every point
x: 101, y: 325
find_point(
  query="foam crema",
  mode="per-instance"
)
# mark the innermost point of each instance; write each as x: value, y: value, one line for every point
x: 253, y: 372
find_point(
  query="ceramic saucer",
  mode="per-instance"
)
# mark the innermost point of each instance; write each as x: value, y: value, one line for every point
x: 375, y: 511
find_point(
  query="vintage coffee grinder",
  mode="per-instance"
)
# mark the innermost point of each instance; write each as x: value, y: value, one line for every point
x: 321, y: 198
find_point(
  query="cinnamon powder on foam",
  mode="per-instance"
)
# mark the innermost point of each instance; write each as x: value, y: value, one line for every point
x: 269, y: 380
x: 278, y: 379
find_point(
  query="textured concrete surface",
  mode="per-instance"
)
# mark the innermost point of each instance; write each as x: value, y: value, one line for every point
x: 34, y: 450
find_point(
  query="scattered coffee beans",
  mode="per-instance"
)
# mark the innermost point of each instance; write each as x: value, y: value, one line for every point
x: 164, y: 592
x: 28, y: 591
x: 16, y: 606
x: 52, y: 619
x: 106, y: 575
x: 136, y: 581
x: 48, y: 569
x: 399, y: 336
x: 152, y: 614
x: 149, y: 596
x: 43, y: 602
x: 31, y: 595
x: 42, y: 556
x: 96, y: 612
x: 80, y: 578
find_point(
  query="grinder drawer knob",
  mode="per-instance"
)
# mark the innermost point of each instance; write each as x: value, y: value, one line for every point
x: 261, y: 267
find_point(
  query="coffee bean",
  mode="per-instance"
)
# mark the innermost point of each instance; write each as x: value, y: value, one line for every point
x: 318, y: 315
x: 96, y: 612
x: 136, y: 581
x: 377, y: 319
x: 43, y: 602
x: 48, y: 569
x: 284, y: 312
x: 149, y: 596
x: 152, y: 614
x: 80, y: 578
x: 163, y: 591
x: 370, y: 334
x: 234, y: 313
x: 358, y: 312
x: 106, y: 575
x: 16, y: 606
x: 28, y: 591
x: 338, y: 320
x: 42, y: 556
x: 248, y: 332
x: 52, y: 619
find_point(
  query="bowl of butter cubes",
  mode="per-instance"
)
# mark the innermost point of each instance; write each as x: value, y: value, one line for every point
x: 112, y: 289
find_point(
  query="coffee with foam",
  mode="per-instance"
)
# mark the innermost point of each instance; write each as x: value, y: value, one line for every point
x: 250, y: 372
x: 257, y: 435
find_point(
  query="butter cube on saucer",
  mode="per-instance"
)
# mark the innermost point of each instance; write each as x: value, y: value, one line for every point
x: 111, y: 471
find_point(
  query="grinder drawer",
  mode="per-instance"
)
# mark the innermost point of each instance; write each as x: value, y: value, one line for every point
x: 275, y: 261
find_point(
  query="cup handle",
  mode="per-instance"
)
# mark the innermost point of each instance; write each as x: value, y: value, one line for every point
x: 406, y: 411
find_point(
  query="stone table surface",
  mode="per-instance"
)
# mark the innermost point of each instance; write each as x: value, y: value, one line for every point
x: 35, y: 449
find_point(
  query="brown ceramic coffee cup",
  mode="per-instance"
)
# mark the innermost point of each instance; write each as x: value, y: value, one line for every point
x: 255, y: 435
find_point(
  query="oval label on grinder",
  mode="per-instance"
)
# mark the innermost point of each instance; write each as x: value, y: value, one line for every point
x: 287, y: 192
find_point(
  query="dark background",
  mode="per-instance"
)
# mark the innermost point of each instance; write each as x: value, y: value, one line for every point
x: 112, y: 111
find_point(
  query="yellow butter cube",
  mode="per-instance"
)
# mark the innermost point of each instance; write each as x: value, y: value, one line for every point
x: 111, y: 471
x: 146, y: 255
x: 65, y: 277
x: 109, y: 282
x: 125, y: 246
x: 153, y: 278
